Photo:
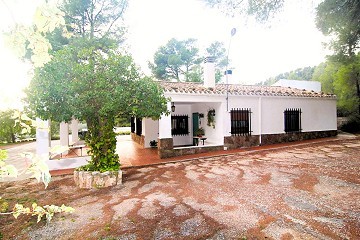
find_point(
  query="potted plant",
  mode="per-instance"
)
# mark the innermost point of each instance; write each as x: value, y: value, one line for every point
x: 211, y: 118
x: 200, y: 132
x: 153, y: 144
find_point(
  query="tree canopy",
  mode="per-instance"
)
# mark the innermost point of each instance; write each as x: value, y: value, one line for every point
x: 341, y: 21
x: 89, y: 78
x: 179, y: 60
x: 175, y: 60
x: 262, y: 10
x: 305, y: 73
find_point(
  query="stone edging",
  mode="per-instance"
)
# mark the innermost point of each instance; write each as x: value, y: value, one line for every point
x: 95, y: 179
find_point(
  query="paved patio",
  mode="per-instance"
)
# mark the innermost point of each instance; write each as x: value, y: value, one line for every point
x: 299, y: 191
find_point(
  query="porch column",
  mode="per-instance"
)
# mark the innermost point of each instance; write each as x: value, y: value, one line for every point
x: 226, y: 120
x: 165, y: 143
x: 165, y: 124
x: 64, y: 135
x: 74, y: 131
x: 42, y: 137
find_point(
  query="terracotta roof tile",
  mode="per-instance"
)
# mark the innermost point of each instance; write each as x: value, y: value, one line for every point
x: 237, y: 89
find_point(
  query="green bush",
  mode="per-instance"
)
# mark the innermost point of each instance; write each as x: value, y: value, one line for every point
x: 352, y: 125
x: 123, y: 133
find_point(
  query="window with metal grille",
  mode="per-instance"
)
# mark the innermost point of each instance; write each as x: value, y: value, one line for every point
x: 138, y: 126
x: 292, y: 120
x: 180, y: 125
x: 132, y: 124
x: 240, y: 121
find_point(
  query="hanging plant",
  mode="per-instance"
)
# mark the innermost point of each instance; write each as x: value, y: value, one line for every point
x: 211, y: 118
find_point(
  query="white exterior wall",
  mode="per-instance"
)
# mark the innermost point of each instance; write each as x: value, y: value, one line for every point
x: 42, y: 137
x: 213, y: 135
x: 74, y: 131
x: 150, y: 130
x: 247, y: 102
x: 183, y: 109
x: 317, y: 114
x: 165, y: 124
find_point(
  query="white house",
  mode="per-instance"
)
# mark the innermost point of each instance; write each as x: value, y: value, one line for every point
x: 243, y: 116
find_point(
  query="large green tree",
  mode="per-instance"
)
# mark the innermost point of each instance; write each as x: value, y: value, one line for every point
x: 339, y: 77
x: 175, y: 60
x: 180, y: 60
x: 90, y: 79
x: 8, y: 130
x: 218, y: 51
x: 340, y: 20
x: 91, y: 85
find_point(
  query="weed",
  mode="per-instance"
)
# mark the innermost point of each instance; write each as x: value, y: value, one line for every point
x: 107, y: 227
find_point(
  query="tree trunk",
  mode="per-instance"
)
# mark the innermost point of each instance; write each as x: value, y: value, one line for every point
x: 358, y: 91
x: 102, y: 142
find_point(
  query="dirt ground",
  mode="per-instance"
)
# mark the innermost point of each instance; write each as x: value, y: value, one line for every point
x: 308, y: 191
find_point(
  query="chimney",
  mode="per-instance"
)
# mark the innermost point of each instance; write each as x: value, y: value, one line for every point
x: 209, y: 72
x: 228, y: 77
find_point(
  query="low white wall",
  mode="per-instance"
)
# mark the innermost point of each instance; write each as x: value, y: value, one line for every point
x: 317, y: 114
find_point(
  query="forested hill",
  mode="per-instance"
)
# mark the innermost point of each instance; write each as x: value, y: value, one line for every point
x: 305, y: 73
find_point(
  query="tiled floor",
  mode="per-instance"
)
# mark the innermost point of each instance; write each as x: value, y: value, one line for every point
x: 132, y: 154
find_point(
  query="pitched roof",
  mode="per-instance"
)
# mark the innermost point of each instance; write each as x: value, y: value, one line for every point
x: 237, y: 89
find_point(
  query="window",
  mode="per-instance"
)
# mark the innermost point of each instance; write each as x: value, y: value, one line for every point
x: 180, y: 125
x: 138, y: 126
x: 240, y: 121
x: 292, y: 120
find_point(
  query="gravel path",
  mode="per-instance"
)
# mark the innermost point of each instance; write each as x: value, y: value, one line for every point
x: 310, y: 191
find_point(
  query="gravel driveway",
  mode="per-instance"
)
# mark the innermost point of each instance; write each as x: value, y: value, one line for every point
x: 309, y: 191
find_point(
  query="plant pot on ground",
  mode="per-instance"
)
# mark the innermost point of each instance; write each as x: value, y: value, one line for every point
x: 153, y: 144
x: 200, y: 132
x: 103, y: 170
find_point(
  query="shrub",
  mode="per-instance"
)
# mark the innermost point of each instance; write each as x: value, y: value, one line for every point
x: 352, y: 125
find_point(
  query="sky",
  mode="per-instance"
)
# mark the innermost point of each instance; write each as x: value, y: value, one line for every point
x: 257, y: 52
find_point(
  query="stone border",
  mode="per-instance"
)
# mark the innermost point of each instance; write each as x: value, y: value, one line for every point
x: 94, y: 179
x: 138, y: 139
x: 176, y: 152
x: 268, y: 139
x: 233, y: 142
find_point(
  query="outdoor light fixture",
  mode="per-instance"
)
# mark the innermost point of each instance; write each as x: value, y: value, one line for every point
x: 172, y: 107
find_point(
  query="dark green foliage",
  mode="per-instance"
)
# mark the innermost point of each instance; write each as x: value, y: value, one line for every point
x: 352, y: 125
x: 305, y: 73
x: 179, y: 60
x: 175, y: 60
x: 7, y: 130
x: 11, y: 130
x: 341, y: 21
x: 95, y: 18
x: 95, y: 86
